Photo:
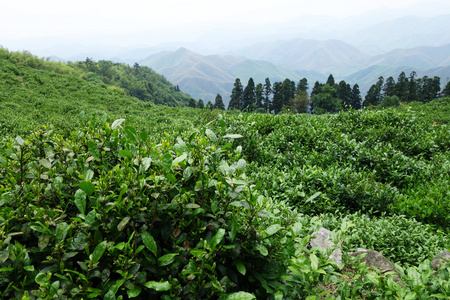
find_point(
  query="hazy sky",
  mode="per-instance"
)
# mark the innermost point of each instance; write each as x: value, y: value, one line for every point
x: 52, y: 18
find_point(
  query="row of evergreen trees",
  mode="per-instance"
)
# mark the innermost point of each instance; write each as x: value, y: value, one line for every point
x: 329, y: 97
x: 406, y: 89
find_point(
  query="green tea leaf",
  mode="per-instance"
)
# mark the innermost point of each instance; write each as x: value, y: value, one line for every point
x: 61, y: 232
x: 217, y: 238
x: 232, y: 136
x: 90, y: 218
x: 131, y: 133
x: 134, y: 292
x: 410, y: 296
x: 241, y: 268
x: 45, y: 163
x: 6, y: 269
x: 43, y: 241
x: 80, y: 200
x: 273, y: 229
x: 42, y: 279
x: 240, y: 296
x: 192, y: 205
x: 146, y: 161
x: 89, y: 175
x: 167, y: 259
x: 171, y: 177
x: 179, y: 159
x: 98, y: 251
x: 93, y: 149
x: 167, y: 162
x: 117, y: 123
x: 149, y: 242
x: 144, y: 136
x: 297, y: 228
x: 262, y: 249
x: 87, y: 187
x: 125, y: 153
x: 19, y: 140
x: 123, y: 223
x: 187, y: 173
x: 158, y: 286
x: 4, y: 255
x: 310, y: 199
x: 109, y: 295
x: 314, y: 262
x: 234, y: 228
x: 29, y: 268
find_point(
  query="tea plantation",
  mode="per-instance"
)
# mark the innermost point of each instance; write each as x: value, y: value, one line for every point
x: 104, y: 196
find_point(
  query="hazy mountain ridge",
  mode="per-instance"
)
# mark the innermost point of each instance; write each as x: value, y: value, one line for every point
x: 418, y: 57
x: 329, y: 56
x: 205, y: 76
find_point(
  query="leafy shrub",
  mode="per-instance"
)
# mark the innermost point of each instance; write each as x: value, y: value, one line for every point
x: 104, y: 212
x: 399, y: 239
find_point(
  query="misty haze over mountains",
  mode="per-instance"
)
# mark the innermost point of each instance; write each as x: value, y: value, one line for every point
x: 205, y: 60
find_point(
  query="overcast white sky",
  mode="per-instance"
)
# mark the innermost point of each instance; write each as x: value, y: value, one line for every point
x: 44, y: 18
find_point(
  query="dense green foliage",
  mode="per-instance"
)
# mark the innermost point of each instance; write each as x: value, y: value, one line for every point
x: 118, y: 198
x: 118, y: 79
x: 332, y: 97
x: 405, y: 89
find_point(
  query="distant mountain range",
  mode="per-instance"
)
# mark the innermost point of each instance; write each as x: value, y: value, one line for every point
x: 204, y: 76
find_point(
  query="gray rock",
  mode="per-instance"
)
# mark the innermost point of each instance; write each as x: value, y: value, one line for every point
x: 440, y: 258
x: 322, y: 239
x: 374, y: 259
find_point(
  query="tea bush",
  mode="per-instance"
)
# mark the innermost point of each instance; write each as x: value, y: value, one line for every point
x: 104, y: 212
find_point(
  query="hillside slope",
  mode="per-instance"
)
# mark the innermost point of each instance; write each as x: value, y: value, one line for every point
x: 139, y: 82
x: 30, y: 86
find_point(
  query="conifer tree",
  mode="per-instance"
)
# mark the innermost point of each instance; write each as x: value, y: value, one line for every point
x: 411, y: 94
x: 302, y: 85
x: 388, y: 87
x: 316, y: 88
x: 249, y: 96
x: 236, y: 95
x: 218, y: 103
x: 267, y: 92
x: 200, y: 104
x: 330, y: 80
x: 343, y: 92
x: 355, y: 99
x: 277, y: 102
x: 192, y: 103
x: 401, y: 87
x: 259, y: 96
